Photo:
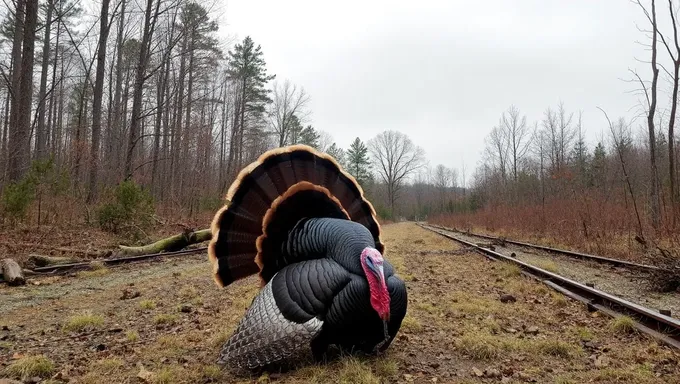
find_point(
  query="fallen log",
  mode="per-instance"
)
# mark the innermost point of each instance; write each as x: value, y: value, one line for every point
x: 12, y: 273
x: 170, y: 244
x: 43, y: 261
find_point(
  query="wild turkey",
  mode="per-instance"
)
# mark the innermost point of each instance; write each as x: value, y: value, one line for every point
x: 299, y: 221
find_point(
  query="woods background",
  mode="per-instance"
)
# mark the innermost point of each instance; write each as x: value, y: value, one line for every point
x: 127, y: 115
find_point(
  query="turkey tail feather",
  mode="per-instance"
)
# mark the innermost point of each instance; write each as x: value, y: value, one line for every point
x: 269, y: 197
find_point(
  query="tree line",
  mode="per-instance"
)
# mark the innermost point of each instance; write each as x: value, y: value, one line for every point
x: 543, y: 176
x: 147, y: 93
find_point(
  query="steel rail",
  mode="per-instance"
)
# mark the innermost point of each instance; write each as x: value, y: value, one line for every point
x: 657, y: 325
x: 581, y: 255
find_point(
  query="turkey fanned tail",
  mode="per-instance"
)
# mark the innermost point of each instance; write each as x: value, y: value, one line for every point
x: 264, y: 336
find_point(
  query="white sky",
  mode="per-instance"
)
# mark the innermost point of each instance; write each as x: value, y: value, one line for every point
x: 444, y: 71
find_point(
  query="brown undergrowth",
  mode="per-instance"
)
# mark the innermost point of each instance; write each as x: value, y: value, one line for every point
x: 457, y: 330
x: 600, y: 228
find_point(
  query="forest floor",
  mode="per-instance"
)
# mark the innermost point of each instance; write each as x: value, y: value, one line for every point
x: 165, y: 321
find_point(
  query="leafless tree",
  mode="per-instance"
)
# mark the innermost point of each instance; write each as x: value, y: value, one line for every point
x: 395, y: 158
x: 443, y: 180
x: 288, y: 100
x: 497, y: 149
x: 517, y: 135
x: 651, y: 100
x: 674, y: 54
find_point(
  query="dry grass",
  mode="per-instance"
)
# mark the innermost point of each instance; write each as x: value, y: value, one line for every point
x: 95, y: 272
x: 147, y: 304
x: 455, y: 321
x: 165, y: 319
x: 84, y: 322
x: 353, y: 371
x: 623, y: 324
x: 511, y: 270
x: 31, y: 366
x: 132, y: 336
x: 479, y: 346
x: 549, y: 266
x: 556, y: 348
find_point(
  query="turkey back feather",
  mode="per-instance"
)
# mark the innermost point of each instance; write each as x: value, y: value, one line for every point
x: 268, y: 198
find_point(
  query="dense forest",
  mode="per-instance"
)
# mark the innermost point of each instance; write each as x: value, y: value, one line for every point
x: 143, y: 102
x: 123, y: 105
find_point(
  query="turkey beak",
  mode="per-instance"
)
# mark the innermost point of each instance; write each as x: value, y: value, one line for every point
x: 381, y: 273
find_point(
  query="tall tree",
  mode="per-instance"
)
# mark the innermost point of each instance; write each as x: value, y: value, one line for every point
x: 25, y: 92
x: 97, y: 100
x: 358, y: 161
x: 41, y: 134
x: 443, y: 180
x: 150, y: 18
x: 395, y: 157
x: 14, y: 148
x: 651, y: 96
x: 309, y: 136
x: 675, y: 58
x: 289, y: 101
x: 517, y: 134
x: 247, y: 67
x: 337, y: 153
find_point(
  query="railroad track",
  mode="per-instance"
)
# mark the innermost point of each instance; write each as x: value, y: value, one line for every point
x: 653, y: 323
x: 579, y: 255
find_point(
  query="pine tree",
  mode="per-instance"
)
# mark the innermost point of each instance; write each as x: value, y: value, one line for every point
x: 598, y: 166
x: 337, y: 153
x: 309, y: 136
x: 358, y: 162
x: 247, y: 68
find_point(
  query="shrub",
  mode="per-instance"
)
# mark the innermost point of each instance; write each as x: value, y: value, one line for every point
x: 18, y: 196
x: 128, y: 211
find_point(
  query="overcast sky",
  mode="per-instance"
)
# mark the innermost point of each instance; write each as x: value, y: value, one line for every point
x: 443, y: 71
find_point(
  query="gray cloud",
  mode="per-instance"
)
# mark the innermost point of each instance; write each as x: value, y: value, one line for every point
x: 444, y: 71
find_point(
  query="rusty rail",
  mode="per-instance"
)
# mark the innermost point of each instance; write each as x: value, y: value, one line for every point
x: 655, y: 324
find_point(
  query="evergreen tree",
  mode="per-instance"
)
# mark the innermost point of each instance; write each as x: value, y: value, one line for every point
x: 309, y: 136
x: 358, y: 162
x: 597, y: 172
x: 337, y: 153
x: 247, y: 68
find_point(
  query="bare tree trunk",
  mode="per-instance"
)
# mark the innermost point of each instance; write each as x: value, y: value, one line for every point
x: 97, y: 101
x: 188, y: 134
x: 5, y: 134
x: 654, y: 194
x: 166, y: 131
x: 242, y: 124
x: 14, y: 145
x: 671, y: 121
x: 41, y: 134
x: 116, y: 129
x: 26, y: 86
x: 59, y: 113
x: 177, y: 124
x: 140, y: 73
x: 52, y: 110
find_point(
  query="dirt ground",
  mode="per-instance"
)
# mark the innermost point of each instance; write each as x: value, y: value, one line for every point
x: 164, y: 322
